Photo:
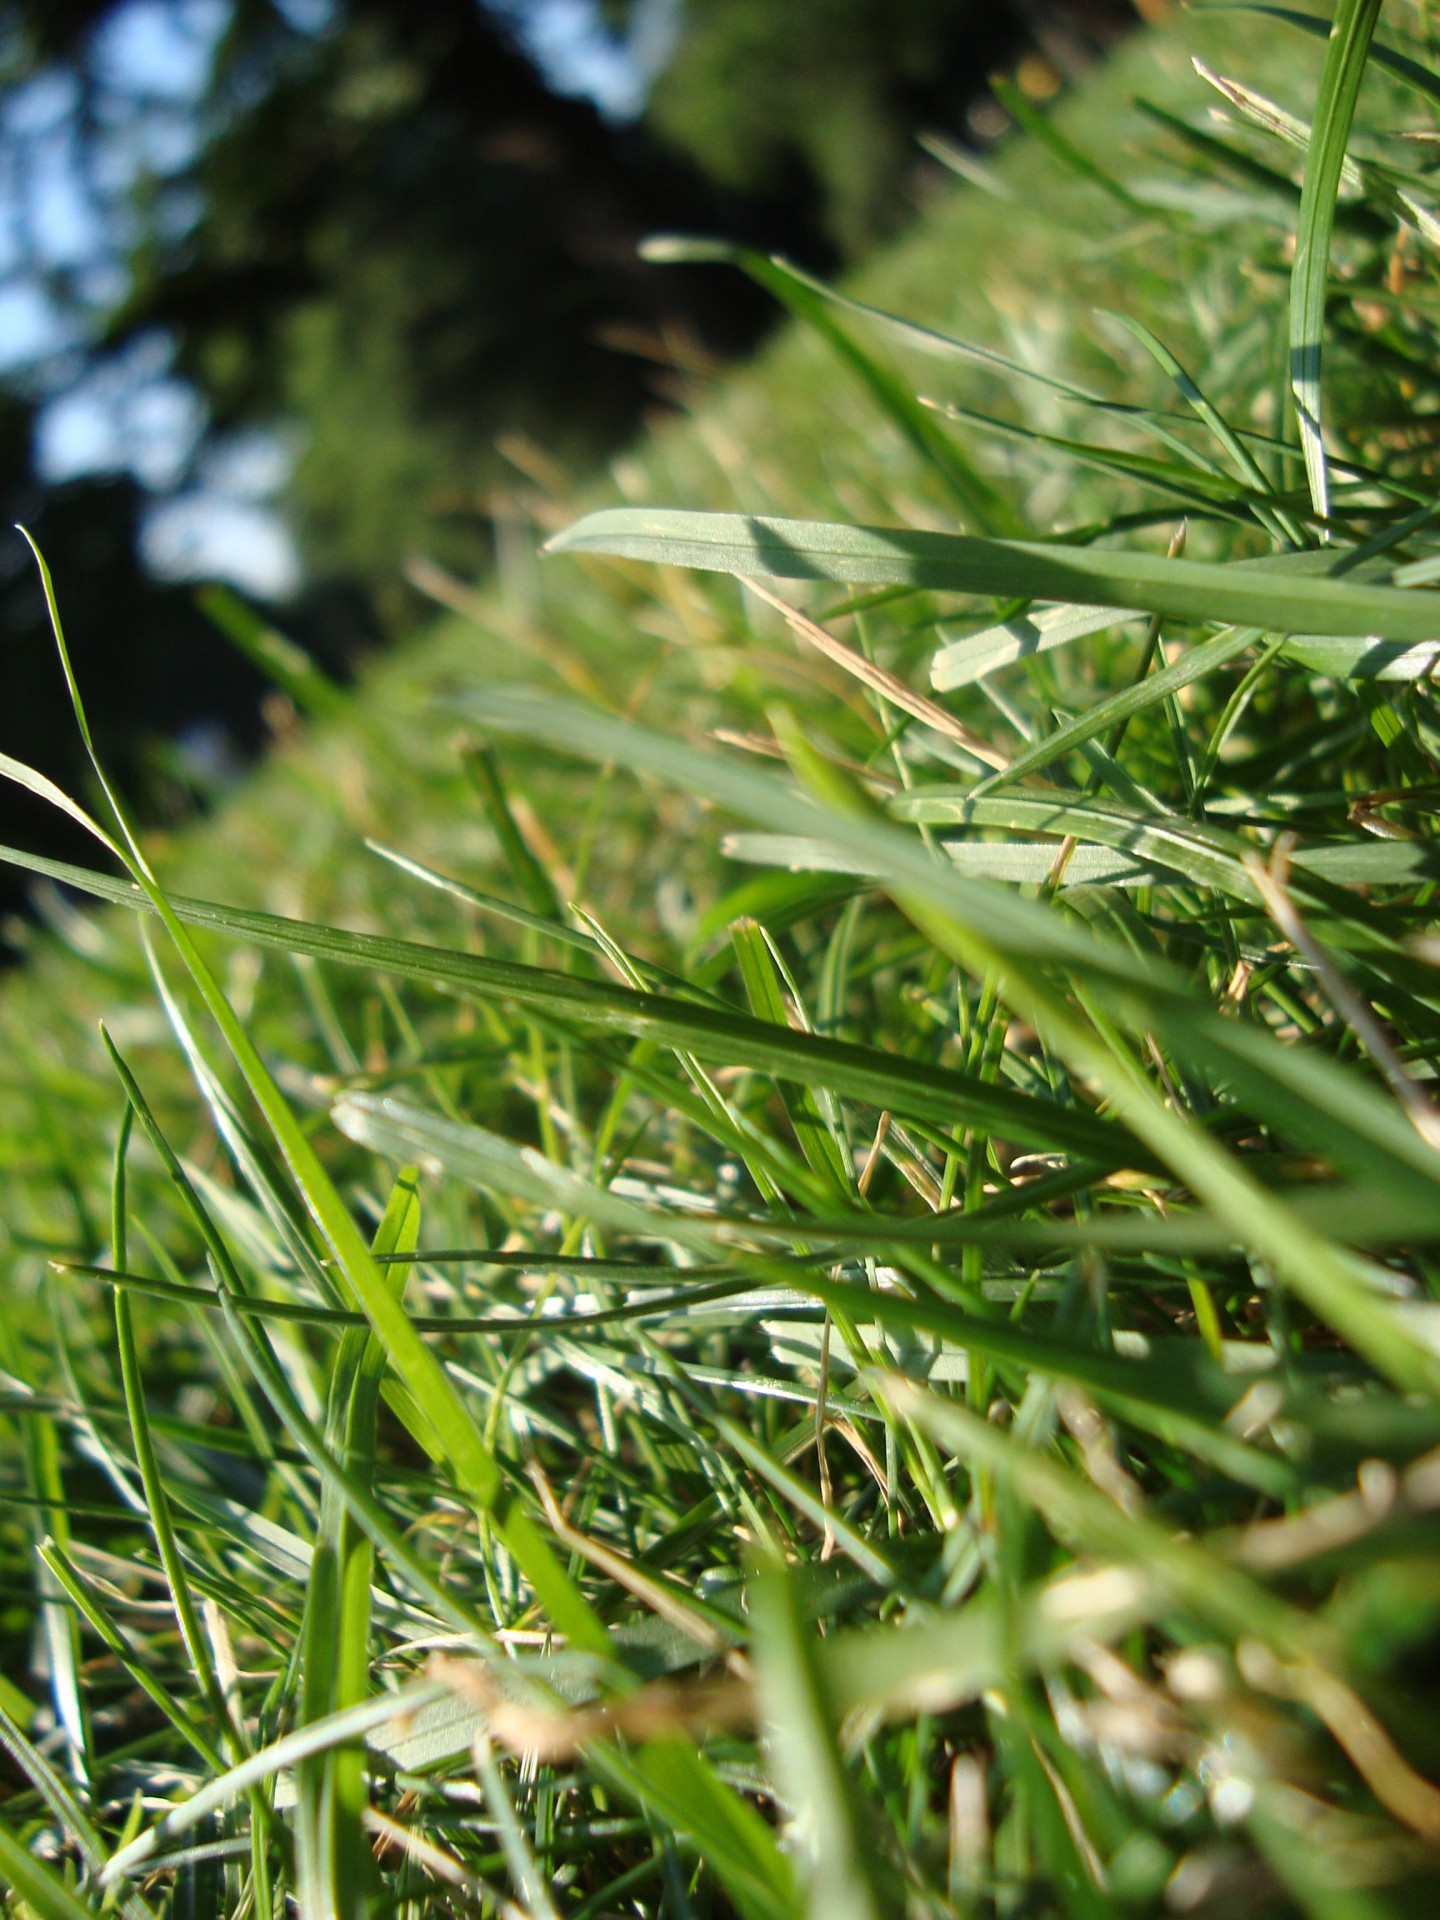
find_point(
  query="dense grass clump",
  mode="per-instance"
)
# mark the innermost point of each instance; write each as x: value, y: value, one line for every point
x: 789, y: 1265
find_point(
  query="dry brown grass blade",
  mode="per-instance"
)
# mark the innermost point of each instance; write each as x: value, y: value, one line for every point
x: 886, y: 684
x: 694, y: 1708
x: 1270, y: 882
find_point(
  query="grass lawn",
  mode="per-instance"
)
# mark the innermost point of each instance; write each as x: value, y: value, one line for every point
x: 758, y: 1235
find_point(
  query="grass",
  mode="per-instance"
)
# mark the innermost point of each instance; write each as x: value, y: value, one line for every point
x: 758, y: 1236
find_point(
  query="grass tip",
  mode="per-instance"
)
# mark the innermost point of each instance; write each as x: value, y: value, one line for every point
x: 675, y: 249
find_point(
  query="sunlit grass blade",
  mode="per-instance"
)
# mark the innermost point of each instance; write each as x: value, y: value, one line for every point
x: 470, y: 1457
x: 72, y: 1819
x: 962, y: 661
x: 1192, y: 665
x: 676, y: 1786
x: 1271, y: 597
x: 939, y: 1663
x: 1345, y: 55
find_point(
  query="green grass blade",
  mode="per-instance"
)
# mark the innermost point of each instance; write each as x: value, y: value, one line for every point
x: 676, y: 1786
x: 1419, y: 77
x: 335, y: 1870
x: 1269, y: 596
x: 980, y: 501
x: 469, y: 1456
x: 961, y: 662
x: 530, y: 1884
x: 44, y: 1893
x: 65, y: 1809
x: 1074, y: 158
x: 1192, y: 665
x: 835, y: 1833
x: 289, y: 666
x: 766, y: 994
x: 1345, y: 56
x: 354, y: 1723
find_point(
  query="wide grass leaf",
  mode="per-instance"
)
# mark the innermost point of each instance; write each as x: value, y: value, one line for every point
x: 1274, y: 597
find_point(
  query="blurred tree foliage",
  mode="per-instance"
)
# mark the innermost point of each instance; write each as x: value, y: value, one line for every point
x: 389, y: 233
x: 371, y: 225
x: 392, y: 235
x: 827, y: 92
x: 410, y: 246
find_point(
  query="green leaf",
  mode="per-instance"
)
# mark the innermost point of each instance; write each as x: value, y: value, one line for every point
x: 45, y: 1894
x: 833, y: 1833
x: 1273, y: 596
x: 1345, y: 57
x: 672, y: 1782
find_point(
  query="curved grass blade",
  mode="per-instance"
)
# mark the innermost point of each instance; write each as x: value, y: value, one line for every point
x: 673, y: 1783
x: 304, y: 1743
x: 961, y: 662
x: 1194, y: 664
x: 473, y: 1464
x: 1023, y: 862
x: 1248, y: 468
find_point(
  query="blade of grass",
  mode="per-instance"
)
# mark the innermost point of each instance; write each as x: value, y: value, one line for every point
x: 335, y: 1872
x: 675, y: 1785
x: 471, y: 1461
x: 1270, y: 595
x: 1346, y: 52
x: 835, y: 1835
x: 45, y: 1894
x: 354, y: 1723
